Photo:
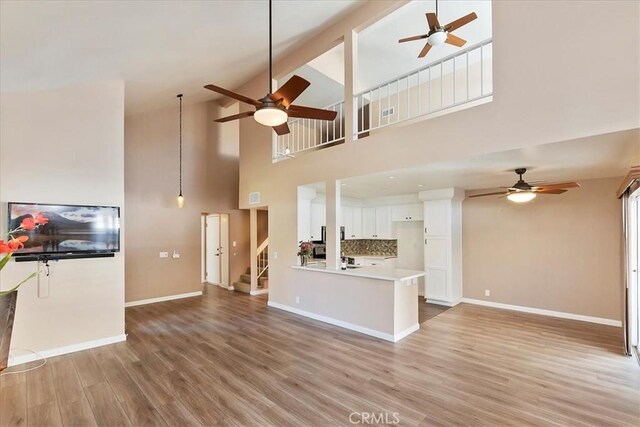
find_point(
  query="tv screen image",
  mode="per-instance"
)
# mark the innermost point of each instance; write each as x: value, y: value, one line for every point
x: 70, y: 229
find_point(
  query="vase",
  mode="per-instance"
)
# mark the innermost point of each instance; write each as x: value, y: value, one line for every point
x: 303, y: 260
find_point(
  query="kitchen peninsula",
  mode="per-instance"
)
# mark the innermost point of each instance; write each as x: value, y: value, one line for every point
x: 377, y: 301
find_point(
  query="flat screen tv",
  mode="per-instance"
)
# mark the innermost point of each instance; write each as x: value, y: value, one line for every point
x: 70, y: 229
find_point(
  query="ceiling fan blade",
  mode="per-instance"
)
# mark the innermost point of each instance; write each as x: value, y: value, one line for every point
x: 299, y: 111
x: 424, y: 51
x: 556, y: 191
x: 233, y: 95
x: 290, y: 90
x: 451, y: 26
x: 455, y: 40
x: 432, y: 20
x: 282, y: 129
x: 235, y: 117
x: 410, y: 39
x: 490, y: 194
x: 560, y: 186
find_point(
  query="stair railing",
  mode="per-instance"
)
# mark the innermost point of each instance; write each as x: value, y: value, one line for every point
x: 263, y: 257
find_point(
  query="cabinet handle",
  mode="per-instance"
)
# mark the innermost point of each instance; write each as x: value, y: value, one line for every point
x: 425, y: 241
x: 425, y: 230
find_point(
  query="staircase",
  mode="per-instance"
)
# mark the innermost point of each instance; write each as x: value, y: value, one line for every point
x: 244, y: 285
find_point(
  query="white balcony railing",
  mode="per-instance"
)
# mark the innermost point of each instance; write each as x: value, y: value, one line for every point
x: 307, y: 134
x: 452, y: 81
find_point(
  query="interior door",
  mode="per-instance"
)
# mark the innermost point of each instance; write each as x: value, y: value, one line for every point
x: 213, y: 249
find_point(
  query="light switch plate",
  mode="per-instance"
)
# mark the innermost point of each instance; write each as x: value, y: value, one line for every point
x: 234, y: 244
x: 164, y: 254
x: 176, y: 255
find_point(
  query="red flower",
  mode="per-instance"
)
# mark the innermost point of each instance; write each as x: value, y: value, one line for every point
x: 40, y: 219
x: 12, y: 245
x: 28, y: 223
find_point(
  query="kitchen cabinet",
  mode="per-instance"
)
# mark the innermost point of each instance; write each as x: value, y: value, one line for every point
x: 368, y: 223
x: 352, y: 222
x: 318, y: 220
x: 384, y: 226
x: 443, y: 245
x: 304, y: 220
x: 411, y: 212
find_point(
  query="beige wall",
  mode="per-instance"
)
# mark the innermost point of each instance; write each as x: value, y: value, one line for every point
x: 547, y: 88
x: 263, y: 225
x: 65, y: 146
x: 210, y: 184
x: 559, y: 253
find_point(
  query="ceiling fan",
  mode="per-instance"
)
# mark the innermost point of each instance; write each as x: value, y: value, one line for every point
x: 286, y: 153
x: 276, y: 107
x: 438, y: 34
x: 523, y: 191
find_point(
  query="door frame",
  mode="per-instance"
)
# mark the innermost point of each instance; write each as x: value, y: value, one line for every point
x: 224, y: 260
x: 633, y: 253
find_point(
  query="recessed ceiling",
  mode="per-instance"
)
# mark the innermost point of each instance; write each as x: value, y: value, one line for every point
x: 159, y: 48
x: 602, y: 156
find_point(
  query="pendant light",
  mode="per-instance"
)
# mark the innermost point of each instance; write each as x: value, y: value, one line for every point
x: 180, y: 199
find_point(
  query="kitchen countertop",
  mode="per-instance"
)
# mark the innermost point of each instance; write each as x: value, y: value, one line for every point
x: 382, y: 273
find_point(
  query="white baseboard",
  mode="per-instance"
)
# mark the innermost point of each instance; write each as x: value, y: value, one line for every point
x: 259, y: 292
x: 18, y: 360
x: 161, y: 299
x: 363, y: 330
x: 445, y: 303
x: 551, y: 313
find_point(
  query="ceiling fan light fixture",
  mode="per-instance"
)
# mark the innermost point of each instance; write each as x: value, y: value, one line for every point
x: 270, y: 116
x: 521, y: 196
x: 437, y: 38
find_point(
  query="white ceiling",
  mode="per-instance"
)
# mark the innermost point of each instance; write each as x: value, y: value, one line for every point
x: 602, y: 156
x: 159, y: 48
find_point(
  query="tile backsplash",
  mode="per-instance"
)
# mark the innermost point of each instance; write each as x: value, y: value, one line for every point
x: 375, y: 247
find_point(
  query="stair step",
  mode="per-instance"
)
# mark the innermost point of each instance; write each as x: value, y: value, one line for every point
x: 242, y: 287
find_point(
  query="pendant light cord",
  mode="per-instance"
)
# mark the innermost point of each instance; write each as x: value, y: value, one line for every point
x: 180, y: 97
x: 436, y: 8
x: 270, y: 52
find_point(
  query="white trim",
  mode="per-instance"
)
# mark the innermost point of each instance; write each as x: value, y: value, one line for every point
x: 259, y: 292
x: 346, y: 325
x: 440, y: 302
x: 560, y: 314
x: 66, y: 349
x: 161, y: 299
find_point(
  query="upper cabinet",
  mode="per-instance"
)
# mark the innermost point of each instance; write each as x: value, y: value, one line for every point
x: 352, y: 222
x: 411, y: 212
x: 304, y: 224
x: 368, y: 223
x: 318, y: 220
x: 376, y: 223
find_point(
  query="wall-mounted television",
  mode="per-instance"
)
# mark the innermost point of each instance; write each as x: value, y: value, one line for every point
x: 69, y: 229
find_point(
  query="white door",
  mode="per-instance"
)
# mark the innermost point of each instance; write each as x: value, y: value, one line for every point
x: 216, y: 249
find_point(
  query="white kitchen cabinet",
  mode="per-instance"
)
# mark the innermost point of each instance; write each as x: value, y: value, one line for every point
x: 411, y: 212
x: 352, y: 222
x: 384, y: 226
x: 368, y: 223
x: 304, y: 219
x: 443, y: 245
x: 318, y: 220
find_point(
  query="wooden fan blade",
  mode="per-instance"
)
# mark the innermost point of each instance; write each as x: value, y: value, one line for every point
x: 282, y: 129
x: 302, y: 112
x: 451, y: 26
x: 490, y: 194
x: 410, y: 39
x: 290, y: 90
x: 556, y: 191
x: 432, y: 20
x: 424, y: 51
x: 562, y: 185
x: 235, y: 117
x: 233, y: 95
x: 455, y: 40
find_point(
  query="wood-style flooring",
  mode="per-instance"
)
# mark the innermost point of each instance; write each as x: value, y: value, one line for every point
x: 228, y: 359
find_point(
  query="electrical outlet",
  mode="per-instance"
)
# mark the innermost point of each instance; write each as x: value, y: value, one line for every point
x: 164, y: 254
x: 234, y: 244
x: 487, y: 293
x: 275, y: 255
x: 297, y: 299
